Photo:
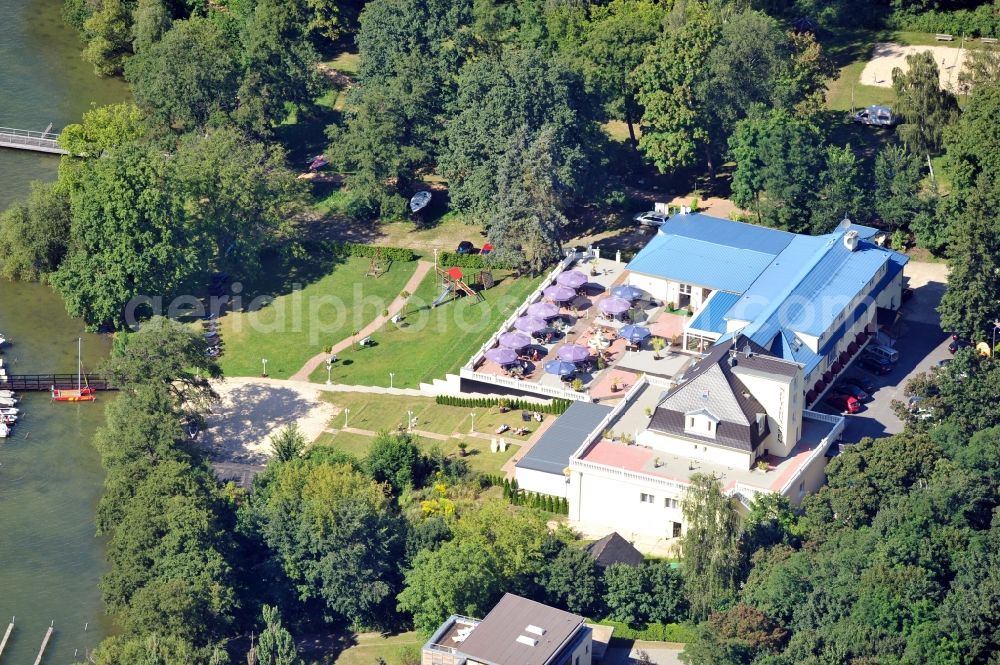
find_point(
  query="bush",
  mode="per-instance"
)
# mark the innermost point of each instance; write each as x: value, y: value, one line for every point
x: 980, y: 22
x: 653, y: 632
x: 473, y: 261
x: 556, y: 407
x: 402, y: 254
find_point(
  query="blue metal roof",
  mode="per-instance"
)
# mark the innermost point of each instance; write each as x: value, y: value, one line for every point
x: 712, y: 317
x: 551, y: 452
x: 740, y: 235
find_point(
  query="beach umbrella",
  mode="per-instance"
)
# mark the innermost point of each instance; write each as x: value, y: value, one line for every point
x: 628, y: 292
x: 559, y: 293
x: 529, y: 324
x: 543, y: 310
x: 571, y: 278
x: 614, y: 305
x: 560, y: 367
x: 573, y: 353
x: 634, y: 333
x: 514, y: 340
x: 502, y: 356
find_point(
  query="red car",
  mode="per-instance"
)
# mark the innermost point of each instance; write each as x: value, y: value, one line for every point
x: 844, y: 403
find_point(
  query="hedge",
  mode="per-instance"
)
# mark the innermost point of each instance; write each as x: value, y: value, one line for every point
x: 546, y: 502
x: 981, y: 22
x: 402, y: 254
x: 473, y: 262
x: 653, y: 632
x: 555, y: 407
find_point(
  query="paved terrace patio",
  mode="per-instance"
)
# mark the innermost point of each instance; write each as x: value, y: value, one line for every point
x: 582, y: 322
x: 818, y: 430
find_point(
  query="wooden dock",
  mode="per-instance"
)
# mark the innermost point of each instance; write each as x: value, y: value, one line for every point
x: 45, y: 643
x: 23, y: 139
x: 6, y: 636
x: 45, y: 382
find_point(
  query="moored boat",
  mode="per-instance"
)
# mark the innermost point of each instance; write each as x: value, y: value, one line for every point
x: 4, y: 431
x: 81, y: 393
x: 9, y: 411
x: 7, y: 393
x: 8, y: 401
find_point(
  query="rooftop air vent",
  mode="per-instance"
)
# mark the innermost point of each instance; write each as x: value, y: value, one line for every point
x: 851, y: 240
x: 534, y: 630
x: 526, y: 641
x: 747, y: 351
x: 732, y: 360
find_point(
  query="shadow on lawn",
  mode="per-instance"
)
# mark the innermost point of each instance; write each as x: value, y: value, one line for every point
x: 248, y: 413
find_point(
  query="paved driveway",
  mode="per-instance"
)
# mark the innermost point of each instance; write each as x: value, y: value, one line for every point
x: 921, y: 344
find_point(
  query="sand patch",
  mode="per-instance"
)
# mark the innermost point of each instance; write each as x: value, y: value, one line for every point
x: 886, y: 56
x: 251, y: 410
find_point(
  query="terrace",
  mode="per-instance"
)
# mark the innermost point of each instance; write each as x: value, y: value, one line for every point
x: 612, y: 455
x: 573, y: 327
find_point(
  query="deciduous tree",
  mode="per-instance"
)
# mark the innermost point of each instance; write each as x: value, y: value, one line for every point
x: 710, y: 547
x: 926, y: 109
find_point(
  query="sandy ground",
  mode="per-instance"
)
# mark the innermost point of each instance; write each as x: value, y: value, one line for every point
x: 251, y: 410
x: 886, y: 56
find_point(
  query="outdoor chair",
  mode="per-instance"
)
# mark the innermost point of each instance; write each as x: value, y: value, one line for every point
x: 526, y: 416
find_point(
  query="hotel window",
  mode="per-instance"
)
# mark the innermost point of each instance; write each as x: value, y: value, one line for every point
x: 646, y: 498
x: 670, y: 503
x: 684, y: 289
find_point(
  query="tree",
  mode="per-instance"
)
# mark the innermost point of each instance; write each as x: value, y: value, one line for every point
x: 840, y: 193
x: 710, y: 546
x: 618, y: 36
x: 275, y: 645
x: 33, y: 234
x: 107, y: 32
x: 151, y: 20
x: 651, y: 592
x: 334, y: 533
x: 149, y: 650
x: 777, y: 155
x: 497, y: 97
x: 103, y: 128
x: 676, y: 123
x: 981, y: 70
x: 897, y: 187
x: 394, y: 460
x: 288, y: 443
x: 926, y: 109
x: 738, y: 635
x: 190, y: 75
x: 969, y: 305
x: 973, y: 143
x: 571, y: 581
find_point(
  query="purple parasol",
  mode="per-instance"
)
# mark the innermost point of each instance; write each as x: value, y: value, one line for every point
x: 529, y: 324
x: 628, y: 292
x: 559, y: 293
x: 572, y: 278
x: 614, y: 305
x: 574, y: 353
x: 514, y: 340
x: 543, y: 310
x: 501, y: 356
x: 560, y: 367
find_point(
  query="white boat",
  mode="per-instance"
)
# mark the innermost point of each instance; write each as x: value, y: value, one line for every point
x: 420, y: 200
x: 8, y: 401
x: 4, y: 431
x: 8, y: 411
x: 8, y: 393
x: 3, y: 340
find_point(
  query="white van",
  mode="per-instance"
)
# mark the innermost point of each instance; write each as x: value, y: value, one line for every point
x: 883, y: 352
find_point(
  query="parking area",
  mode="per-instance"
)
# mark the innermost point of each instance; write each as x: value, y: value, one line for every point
x: 921, y: 344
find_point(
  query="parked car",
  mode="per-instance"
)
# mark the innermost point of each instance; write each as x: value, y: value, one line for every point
x: 862, y: 382
x: 651, y: 218
x: 843, y: 403
x: 466, y: 247
x: 958, y: 343
x: 875, y: 365
x: 944, y: 362
x: 879, y: 351
x: 876, y: 115
x: 857, y: 392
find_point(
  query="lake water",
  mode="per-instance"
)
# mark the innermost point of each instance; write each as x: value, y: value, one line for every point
x: 50, y: 474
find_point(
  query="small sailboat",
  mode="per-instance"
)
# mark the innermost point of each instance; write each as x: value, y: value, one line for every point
x: 4, y: 430
x: 9, y: 411
x: 8, y: 393
x: 80, y: 393
x: 8, y: 420
x: 419, y: 201
x: 3, y: 340
x: 8, y: 401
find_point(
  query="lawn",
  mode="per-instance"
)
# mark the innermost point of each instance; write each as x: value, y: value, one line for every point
x: 291, y: 328
x: 392, y: 649
x: 430, y: 343
x: 346, y: 63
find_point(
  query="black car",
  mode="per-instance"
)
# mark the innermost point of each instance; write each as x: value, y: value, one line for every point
x: 854, y: 391
x: 875, y: 365
x: 861, y: 382
x: 466, y: 247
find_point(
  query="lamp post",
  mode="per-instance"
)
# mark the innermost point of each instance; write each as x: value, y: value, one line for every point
x: 329, y: 368
x: 392, y: 375
x: 409, y: 421
x: 347, y: 412
x: 263, y: 361
x: 473, y: 428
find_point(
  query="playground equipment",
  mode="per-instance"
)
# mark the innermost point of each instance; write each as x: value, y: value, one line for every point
x: 452, y: 284
x: 378, y: 265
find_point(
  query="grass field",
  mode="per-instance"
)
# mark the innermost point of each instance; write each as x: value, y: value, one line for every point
x: 433, y: 342
x: 346, y: 63
x: 393, y: 649
x: 293, y: 327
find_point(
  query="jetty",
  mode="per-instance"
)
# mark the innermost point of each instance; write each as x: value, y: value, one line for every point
x: 45, y: 643
x: 45, y: 382
x: 6, y: 636
x: 24, y: 139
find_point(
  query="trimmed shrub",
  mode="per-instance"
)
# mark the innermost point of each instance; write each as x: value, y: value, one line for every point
x: 556, y: 407
x: 653, y: 632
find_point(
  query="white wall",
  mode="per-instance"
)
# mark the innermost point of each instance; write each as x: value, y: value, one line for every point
x: 533, y: 480
x: 613, y: 502
x: 689, y: 448
x: 654, y: 286
x: 775, y: 393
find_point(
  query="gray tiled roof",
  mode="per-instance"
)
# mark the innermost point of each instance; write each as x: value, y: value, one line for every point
x: 612, y: 548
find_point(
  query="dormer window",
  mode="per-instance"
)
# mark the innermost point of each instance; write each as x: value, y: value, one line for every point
x: 701, y: 423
